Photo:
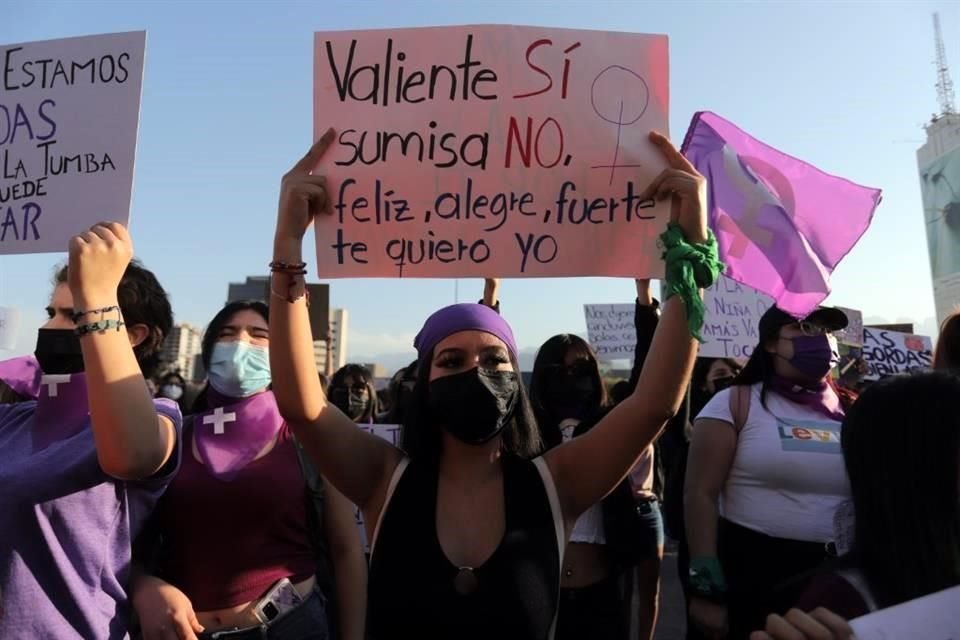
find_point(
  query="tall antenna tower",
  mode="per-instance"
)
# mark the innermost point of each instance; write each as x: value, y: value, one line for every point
x: 945, y: 95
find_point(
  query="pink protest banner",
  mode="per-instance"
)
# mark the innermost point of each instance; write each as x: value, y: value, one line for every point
x: 69, y: 113
x: 490, y: 151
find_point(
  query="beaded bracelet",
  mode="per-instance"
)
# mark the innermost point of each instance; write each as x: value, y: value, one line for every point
x: 98, y: 327
x: 76, y: 315
x: 292, y: 268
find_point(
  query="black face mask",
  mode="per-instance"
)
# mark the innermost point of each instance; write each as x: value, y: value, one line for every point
x: 572, y: 396
x: 476, y: 405
x: 350, y: 402
x: 722, y: 383
x: 58, y: 351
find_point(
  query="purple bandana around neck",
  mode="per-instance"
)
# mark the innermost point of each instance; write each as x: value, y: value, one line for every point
x: 820, y: 396
x: 463, y: 317
x: 62, y: 409
x: 231, y: 434
x: 22, y: 375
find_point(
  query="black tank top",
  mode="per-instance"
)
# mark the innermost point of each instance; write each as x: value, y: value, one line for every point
x: 411, y: 590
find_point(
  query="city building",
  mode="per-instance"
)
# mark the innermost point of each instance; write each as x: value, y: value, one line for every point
x: 181, y: 351
x: 258, y: 288
x: 939, y: 163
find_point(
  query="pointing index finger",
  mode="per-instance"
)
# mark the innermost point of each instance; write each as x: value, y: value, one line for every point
x: 674, y: 158
x: 307, y: 163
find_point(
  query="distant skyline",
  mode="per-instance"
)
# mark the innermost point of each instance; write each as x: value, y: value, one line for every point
x: 227, y: 109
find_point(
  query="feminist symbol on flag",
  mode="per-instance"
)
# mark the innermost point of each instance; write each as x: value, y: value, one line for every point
x: 619, y: 96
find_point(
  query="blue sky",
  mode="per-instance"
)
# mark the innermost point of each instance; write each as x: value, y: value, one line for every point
x: 227, y: 109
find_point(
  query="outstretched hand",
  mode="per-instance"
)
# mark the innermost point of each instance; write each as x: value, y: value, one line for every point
x: 303, y: 194
x: 686, y: 188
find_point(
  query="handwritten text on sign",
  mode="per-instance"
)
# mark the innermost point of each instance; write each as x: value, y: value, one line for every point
x: 888, y: 353
x: 490, y: 151
x: 611, y: 330
x: 733, y: 311
x: 68, y: 134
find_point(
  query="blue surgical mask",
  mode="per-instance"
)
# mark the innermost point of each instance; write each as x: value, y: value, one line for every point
x: 239, y: 369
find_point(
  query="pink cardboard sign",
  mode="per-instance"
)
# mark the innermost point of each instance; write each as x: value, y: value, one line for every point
x: 69, y: 112
x: 490, y: 151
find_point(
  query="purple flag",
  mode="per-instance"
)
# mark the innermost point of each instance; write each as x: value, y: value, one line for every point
x: 782, y: 225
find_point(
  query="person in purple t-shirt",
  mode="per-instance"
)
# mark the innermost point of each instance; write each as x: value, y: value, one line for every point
x: 83, y: 463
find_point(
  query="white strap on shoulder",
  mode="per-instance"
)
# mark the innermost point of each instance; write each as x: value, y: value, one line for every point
x: 558, y: 522
x: 394, y: 479
x: 858, y: 582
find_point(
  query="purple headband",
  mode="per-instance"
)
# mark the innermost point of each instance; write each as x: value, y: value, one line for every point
x: 463, y: 317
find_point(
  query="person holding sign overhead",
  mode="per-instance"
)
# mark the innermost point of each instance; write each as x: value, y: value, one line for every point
x: 770, y: 444
x: 467, y: 512
x: 83, y: 464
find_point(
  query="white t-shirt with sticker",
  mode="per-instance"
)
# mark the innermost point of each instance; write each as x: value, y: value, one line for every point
x: 787, y: 478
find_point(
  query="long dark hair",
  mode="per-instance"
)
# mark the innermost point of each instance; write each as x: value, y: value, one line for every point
x: 420, y: 435
x: 399, y: 392
x: 947, y: 354
x: 142, y: 301
x: 553, y: 354
x: 901, y: 447
x: 212, y: 333
x: 699, y: 396
x: 357, y: 372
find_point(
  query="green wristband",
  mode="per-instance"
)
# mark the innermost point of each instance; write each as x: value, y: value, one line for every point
x: 706, y: 577
x: 688, y: 268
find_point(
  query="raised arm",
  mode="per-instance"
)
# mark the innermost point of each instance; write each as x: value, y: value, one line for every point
x: 587, y: 468
x: 133, y: 441
x: 357, y: 463
x: 491, y: 293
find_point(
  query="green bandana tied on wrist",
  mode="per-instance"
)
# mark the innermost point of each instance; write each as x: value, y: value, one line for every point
x: 689, y: 267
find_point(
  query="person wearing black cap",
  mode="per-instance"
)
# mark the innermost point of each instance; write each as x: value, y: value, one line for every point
x: 765, y: 475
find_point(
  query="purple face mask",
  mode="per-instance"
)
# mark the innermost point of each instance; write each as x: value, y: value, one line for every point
x: 814, y: 356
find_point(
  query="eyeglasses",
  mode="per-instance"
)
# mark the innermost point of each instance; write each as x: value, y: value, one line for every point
x: 808, y: 328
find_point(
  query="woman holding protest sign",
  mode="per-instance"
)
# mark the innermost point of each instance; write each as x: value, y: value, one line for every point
x: 83, y: 464
x: 769, y: 445
x: 273, y: 551
x: 462, y: 511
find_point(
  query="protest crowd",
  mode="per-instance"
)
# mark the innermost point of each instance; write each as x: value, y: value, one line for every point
x: 136, y: 506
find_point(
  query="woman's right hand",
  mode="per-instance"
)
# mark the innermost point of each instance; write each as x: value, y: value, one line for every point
x: 710, y: 617
x: 164, y: 611
x: 819, y: 624
x: 303, y: 195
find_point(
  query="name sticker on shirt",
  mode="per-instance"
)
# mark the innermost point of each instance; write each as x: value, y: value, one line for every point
x: 809, y: 436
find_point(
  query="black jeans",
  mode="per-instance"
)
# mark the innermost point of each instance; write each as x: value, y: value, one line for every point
x: 764, y: 574
x: 594, y: 611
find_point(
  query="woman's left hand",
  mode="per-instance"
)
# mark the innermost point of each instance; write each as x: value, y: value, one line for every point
x: 685, y: 186
x: 819, y: 624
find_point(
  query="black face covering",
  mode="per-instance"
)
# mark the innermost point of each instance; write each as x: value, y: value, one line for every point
x: 58, y: 351
x: 722, y: 383
x: 474, y: 406
x: 573, y: 396
x: 350, y: 402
